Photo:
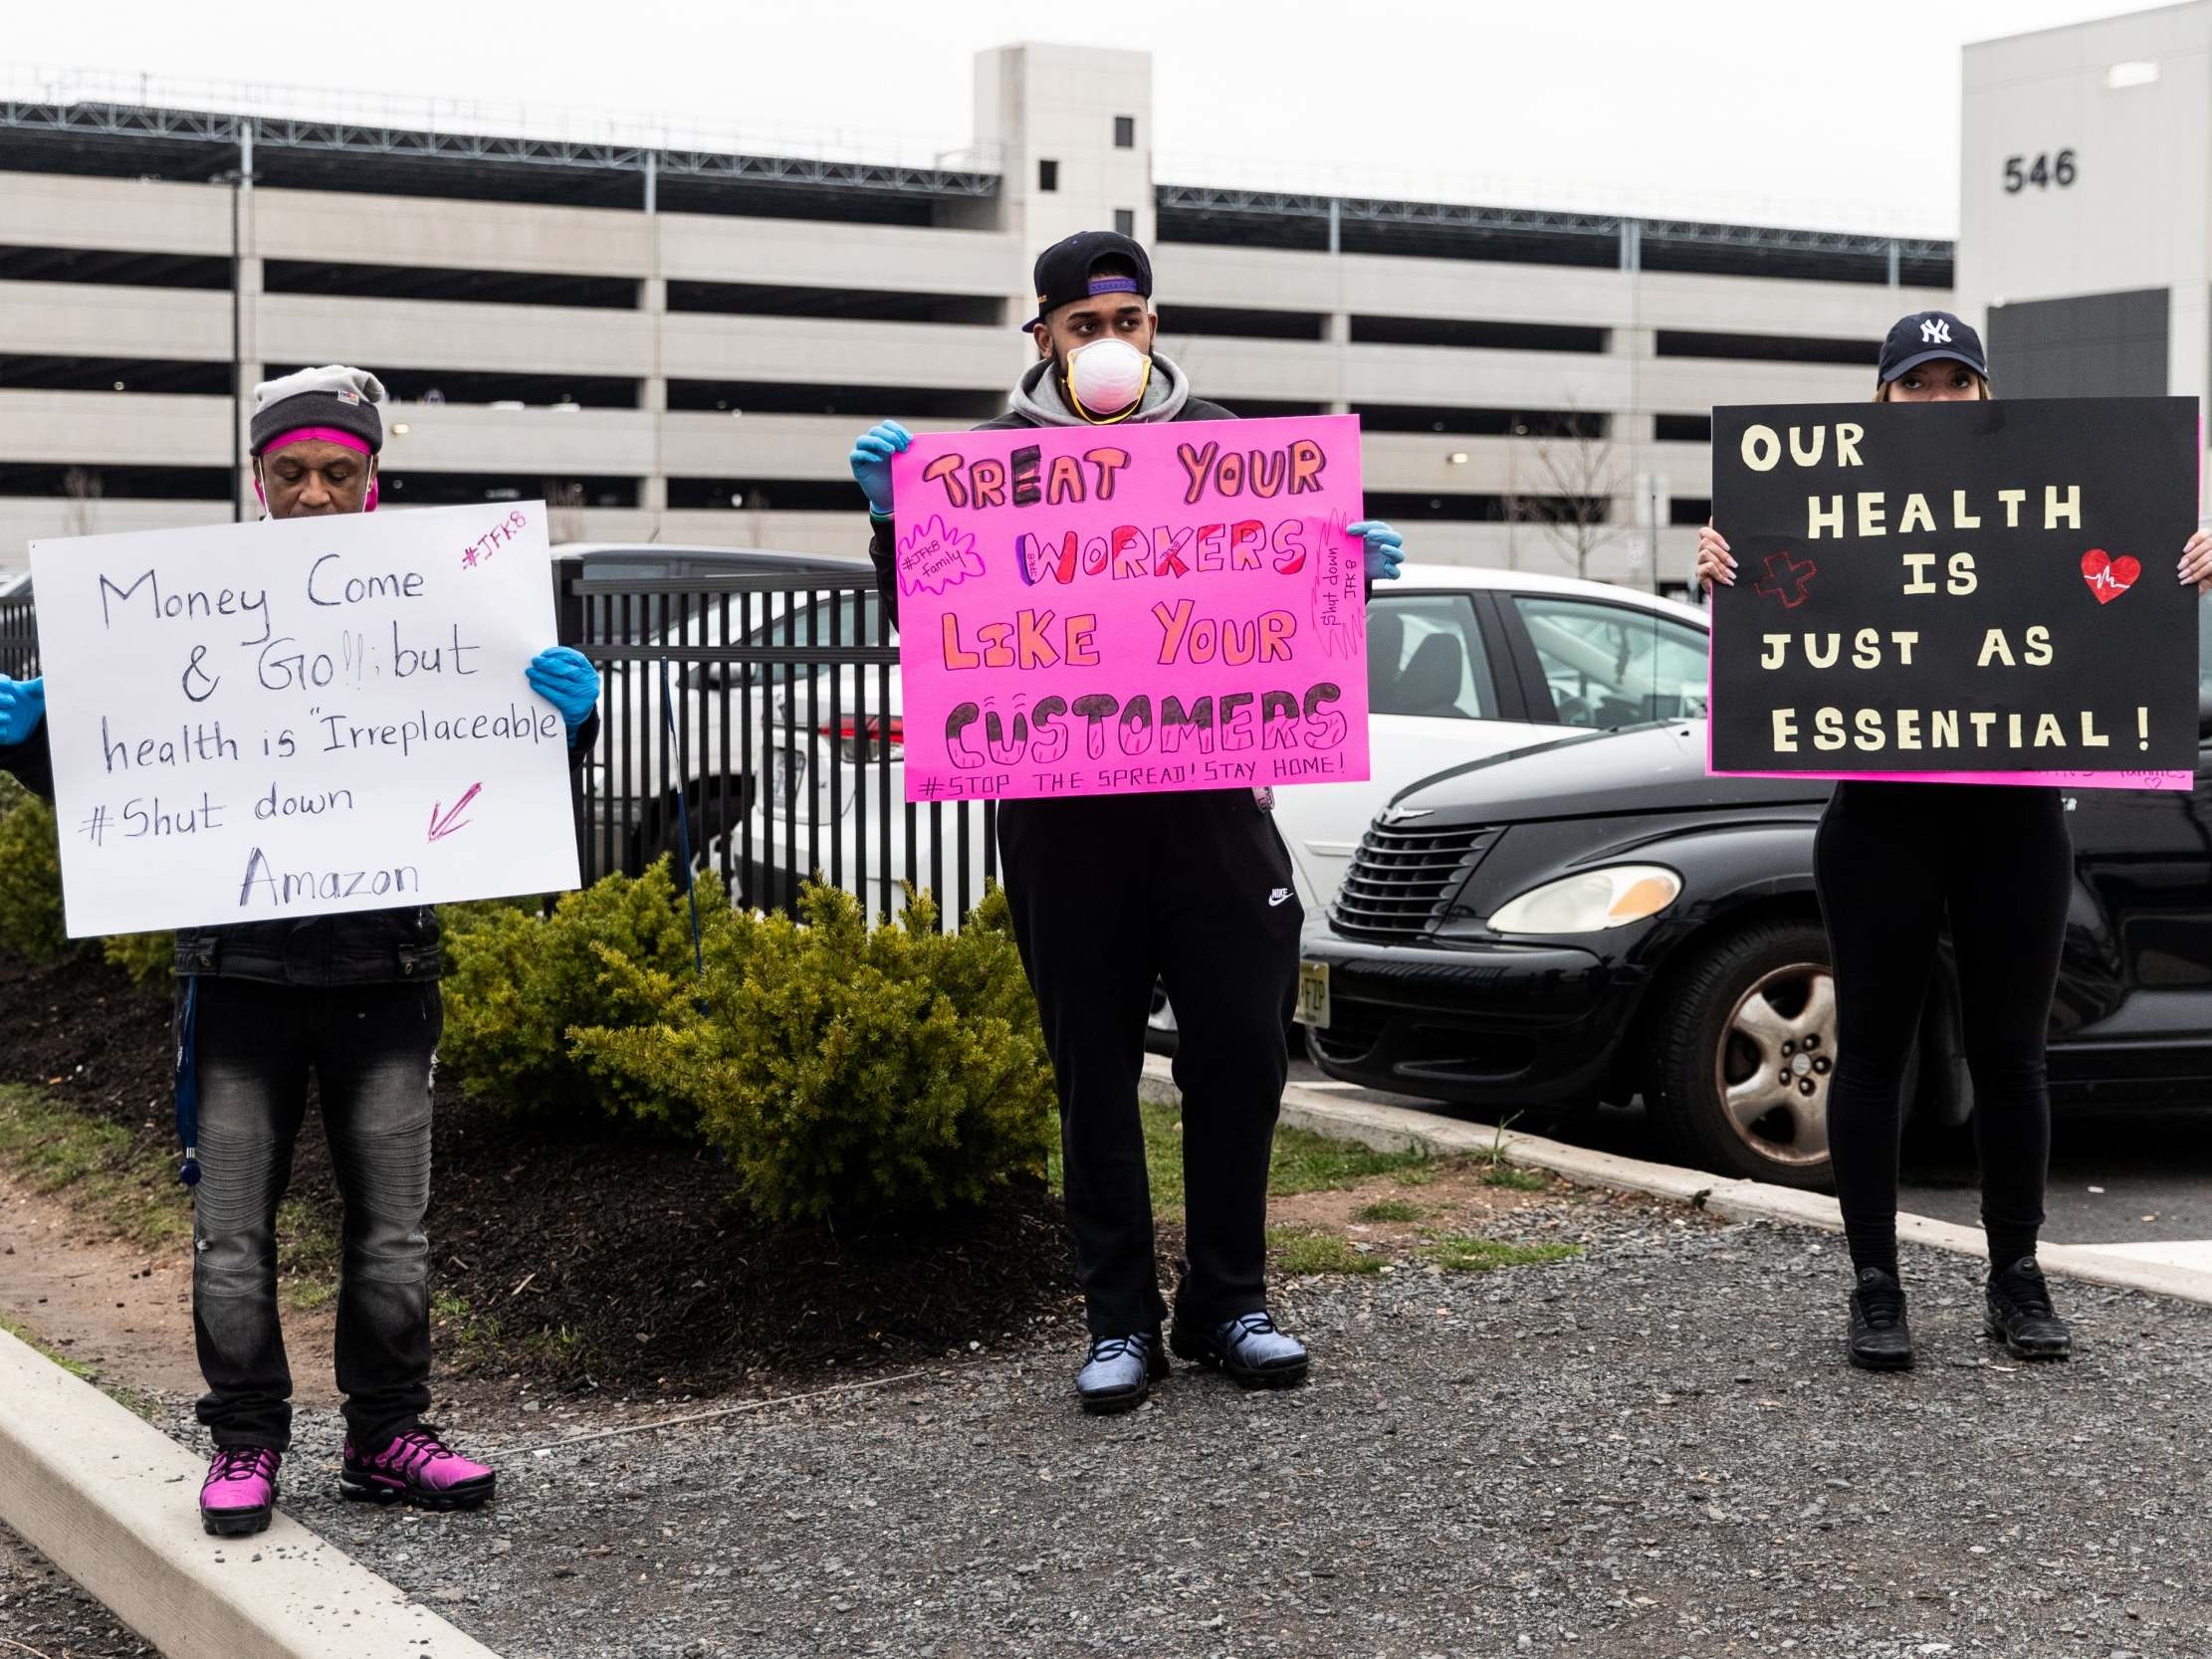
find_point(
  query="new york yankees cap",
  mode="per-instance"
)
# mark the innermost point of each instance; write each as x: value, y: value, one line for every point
x: 1927, y: 338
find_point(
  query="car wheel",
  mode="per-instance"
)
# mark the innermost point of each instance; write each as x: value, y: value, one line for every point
x: 1743, y: 1052
x: 713, y: 814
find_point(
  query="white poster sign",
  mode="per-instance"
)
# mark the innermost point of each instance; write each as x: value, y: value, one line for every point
x: 255, y: 722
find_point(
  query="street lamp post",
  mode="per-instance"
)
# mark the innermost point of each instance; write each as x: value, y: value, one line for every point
x: 238, y: 178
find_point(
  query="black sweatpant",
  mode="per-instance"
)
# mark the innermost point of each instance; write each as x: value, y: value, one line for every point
x: 1892, y: 860
x: 1108, y: 892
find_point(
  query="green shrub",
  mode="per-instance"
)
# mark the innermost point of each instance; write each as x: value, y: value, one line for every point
x: 844, y: 1068
x: 518, y: 981
x: 30, y: 875
x: 145, y: 956
x: 31, y: 921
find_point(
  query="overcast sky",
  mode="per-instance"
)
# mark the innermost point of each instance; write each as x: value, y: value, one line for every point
x: 1844, y: 116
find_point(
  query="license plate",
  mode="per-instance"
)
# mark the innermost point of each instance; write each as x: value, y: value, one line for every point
x: 1313, y: 995
x: 786, y: 776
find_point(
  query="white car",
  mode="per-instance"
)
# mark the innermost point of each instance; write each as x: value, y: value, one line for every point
x: 722, y: 709
x: 1464, y: 662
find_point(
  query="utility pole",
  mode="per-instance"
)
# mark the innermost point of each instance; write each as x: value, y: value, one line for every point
x: 238, y: 178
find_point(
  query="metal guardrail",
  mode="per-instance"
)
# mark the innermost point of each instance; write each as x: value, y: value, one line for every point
x: 755, y: 718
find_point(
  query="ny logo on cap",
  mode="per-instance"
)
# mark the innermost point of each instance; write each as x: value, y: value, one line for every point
x: 1935, y: 330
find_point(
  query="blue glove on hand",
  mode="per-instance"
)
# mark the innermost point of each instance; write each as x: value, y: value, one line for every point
x: 565, y: 678
x: 1385, y: 549
x: 22, y: 707
x: 871, y: 462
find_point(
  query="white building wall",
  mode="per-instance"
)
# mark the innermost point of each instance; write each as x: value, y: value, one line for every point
x: 2130, y: 97
x: 1033, y: 103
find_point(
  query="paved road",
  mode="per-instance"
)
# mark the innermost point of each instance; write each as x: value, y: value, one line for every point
x: 2117, y: 1177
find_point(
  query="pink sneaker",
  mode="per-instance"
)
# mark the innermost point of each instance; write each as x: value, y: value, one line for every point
x: 240, y: 1492
x: 416, y: 1468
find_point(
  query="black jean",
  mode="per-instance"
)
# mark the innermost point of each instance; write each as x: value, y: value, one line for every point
x: 1109, y: 891
x: 370, y: 1049
x: 1893, y: 861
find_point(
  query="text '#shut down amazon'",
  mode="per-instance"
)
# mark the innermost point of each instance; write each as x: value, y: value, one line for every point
x: 1131, y: 609
x: 1945, y: 590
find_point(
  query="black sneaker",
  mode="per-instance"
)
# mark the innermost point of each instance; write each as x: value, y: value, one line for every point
x: 1880, y: 1340
x: 2021, y: 1316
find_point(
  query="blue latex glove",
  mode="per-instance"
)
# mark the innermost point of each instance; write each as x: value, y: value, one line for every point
x: 22, y: 707
x: 1385, y: 549
x: 871, y: 462
x: 565, y: 678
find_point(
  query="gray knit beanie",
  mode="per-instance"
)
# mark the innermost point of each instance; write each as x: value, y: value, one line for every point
x: 334, y: 397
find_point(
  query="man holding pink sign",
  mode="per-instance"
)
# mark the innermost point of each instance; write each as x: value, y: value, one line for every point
x: 1129, y: 631
x: 1933, y: 605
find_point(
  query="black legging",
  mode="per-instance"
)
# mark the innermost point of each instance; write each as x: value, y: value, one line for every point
x: 1891, y: 860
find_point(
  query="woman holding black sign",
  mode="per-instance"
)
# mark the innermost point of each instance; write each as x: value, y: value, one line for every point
x: 1891, y: 860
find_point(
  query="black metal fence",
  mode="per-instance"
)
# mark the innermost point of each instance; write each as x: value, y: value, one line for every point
x: 751, y: 721
x: 755, y: 721
x: 19, y: 637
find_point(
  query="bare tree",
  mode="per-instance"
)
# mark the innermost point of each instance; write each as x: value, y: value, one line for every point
x: 1578, y: 477
x: 563, y: 510
x: 83, y: 488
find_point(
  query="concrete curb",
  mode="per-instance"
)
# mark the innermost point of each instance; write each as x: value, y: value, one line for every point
x: 110, y: 1500
x: 1401, y: 1129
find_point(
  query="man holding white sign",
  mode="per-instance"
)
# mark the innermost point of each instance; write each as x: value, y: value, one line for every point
x: 240, y: 727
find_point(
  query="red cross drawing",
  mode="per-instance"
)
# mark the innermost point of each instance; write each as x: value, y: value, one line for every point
x: 1785, y: 580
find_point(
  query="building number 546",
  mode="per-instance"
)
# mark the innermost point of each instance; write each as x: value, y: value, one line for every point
x: 2045, y: 172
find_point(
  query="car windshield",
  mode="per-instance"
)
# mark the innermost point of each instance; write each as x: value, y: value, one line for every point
x: 794, y: 621
x: 1607, y: 665
x: 842, y: 619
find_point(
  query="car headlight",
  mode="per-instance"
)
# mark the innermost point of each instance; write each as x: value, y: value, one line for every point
x: 1591, y: 902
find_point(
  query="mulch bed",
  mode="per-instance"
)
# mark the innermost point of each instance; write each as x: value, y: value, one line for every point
x: 84, y: 1029
x: 593, y: 1259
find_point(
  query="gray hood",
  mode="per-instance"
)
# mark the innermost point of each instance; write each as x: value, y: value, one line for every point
x: 1038, y: 399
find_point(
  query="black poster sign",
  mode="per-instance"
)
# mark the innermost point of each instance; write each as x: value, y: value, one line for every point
x: 1956, y: 587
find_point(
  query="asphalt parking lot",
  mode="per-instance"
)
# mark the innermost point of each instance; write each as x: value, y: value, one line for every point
x: 2140, y: 1178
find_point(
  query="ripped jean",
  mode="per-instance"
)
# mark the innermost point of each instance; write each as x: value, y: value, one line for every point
x: 370, y: 1049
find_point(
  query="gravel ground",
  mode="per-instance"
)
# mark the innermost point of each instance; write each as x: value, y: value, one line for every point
x: 1654, y: 1449
x: 42, y: 1612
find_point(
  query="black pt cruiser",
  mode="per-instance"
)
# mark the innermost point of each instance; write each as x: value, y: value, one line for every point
x: 1595, y: 920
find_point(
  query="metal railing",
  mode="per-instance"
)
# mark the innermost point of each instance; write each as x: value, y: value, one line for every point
x: 755, y: 721
x: 19, y: 637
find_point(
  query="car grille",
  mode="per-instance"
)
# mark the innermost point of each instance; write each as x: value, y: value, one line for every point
x: 1403, y: 876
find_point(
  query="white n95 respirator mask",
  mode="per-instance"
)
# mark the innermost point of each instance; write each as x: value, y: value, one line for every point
x: 1107, y: 377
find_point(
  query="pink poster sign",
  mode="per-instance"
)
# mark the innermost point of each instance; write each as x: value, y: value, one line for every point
x: 1131, y: 609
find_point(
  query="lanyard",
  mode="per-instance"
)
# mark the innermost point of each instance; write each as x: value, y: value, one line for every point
x: 188, y: 1083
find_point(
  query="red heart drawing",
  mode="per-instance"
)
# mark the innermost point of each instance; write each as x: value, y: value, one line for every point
x: 2108, y: 577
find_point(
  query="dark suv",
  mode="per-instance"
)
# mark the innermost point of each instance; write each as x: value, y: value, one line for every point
x: 1597, y: 920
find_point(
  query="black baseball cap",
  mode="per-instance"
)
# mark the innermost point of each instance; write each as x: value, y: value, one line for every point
x: 1927, y: 338
x: 1063, y: 271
